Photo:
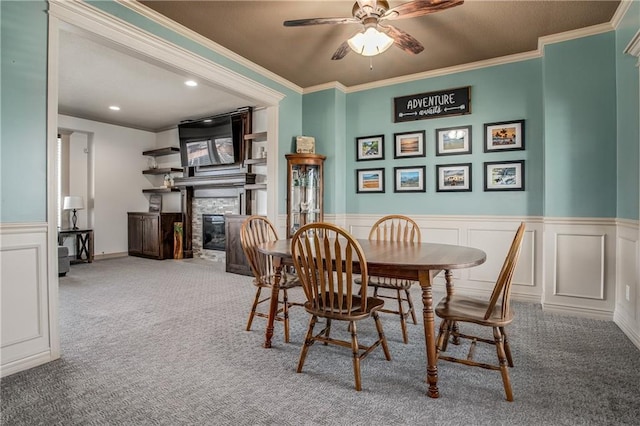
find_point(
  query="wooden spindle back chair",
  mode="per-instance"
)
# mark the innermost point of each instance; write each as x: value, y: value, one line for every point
x: 495, y: 313
x: 395, y: 227
x: 255, y: 230
x: 324, y: 256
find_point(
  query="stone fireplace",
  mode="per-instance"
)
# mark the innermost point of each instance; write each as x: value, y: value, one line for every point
x: 208, y: 224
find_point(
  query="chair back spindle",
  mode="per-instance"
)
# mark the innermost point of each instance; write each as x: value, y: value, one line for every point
x: 505, y: 278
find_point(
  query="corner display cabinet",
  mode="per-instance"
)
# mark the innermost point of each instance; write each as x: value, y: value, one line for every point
x: 304, y: 190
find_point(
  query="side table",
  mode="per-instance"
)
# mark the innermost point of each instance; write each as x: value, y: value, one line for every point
x: 84, y: 243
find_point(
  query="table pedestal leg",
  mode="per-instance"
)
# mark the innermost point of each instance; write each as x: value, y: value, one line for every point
x: 429, y: 334
x: 273, y: 304
x: 448, y: 276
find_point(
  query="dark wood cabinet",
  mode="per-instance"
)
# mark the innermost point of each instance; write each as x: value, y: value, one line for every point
x: 236, y: 261
x: 151, y: 234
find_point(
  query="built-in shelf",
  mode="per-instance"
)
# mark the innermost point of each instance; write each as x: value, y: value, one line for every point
x: 256, y: 161
x: 160, y: 190
x: 162, y: 151
x: 256, y: 136
x: 162, y: 171
x: 256, y: 186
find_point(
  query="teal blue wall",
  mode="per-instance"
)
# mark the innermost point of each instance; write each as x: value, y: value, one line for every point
x: 580, y: 127
x: 324, y: 118
x: 499, y: 93
x: 569, y: 100
x: 23, y: 138
x: 628, y: 115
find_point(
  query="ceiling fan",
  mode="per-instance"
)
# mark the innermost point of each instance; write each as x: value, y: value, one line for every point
x: 376, y: 36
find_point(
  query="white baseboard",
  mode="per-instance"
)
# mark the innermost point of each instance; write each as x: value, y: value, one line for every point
x: 627, y: 328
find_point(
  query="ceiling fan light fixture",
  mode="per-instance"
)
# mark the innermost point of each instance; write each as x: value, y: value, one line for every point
x: 370, y: 42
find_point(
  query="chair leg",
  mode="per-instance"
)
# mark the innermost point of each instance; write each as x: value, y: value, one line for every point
x: 410, y: 303
x: 443, y: 337
x: 285, y: 314
x: 507, y: 348
x: 403, y: 320
x: 308, y: 341
x: 327, y: 330
x: 253, y: 308
x: 381, y: 336
x: 502, y: 358
x: 356, y: 358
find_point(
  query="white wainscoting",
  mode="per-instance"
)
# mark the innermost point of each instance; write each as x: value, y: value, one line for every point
x: 569, y: 265
x: 627, y: 309
x: 26, y: 339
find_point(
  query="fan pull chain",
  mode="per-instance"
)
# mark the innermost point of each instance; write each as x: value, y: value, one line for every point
x: 370, y: 63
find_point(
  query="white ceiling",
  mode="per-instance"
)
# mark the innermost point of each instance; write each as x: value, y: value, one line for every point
x: 95, y: 73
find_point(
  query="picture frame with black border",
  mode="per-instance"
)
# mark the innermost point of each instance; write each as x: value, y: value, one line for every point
x: 409, y: 179
x: 504, y: 175
x: 454, y: 177
x: 504, y: 136
x: 409, y: 144
x: 370, y: 180
x: 453, y: 140
x: 370, y: 148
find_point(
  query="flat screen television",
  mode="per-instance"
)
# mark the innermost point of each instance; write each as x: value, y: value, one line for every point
x: 211, y: 142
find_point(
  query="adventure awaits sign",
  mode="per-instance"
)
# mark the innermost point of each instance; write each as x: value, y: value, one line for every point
x: 432, y: 105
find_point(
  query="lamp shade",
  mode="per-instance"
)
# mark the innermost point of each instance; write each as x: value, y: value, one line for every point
x: 73, y: 202
x: 371, y: 42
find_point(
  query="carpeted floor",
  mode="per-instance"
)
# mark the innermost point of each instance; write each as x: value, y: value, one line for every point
x: 163, y: 343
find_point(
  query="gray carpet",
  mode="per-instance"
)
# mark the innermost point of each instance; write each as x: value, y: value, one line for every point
x: 163, y: 343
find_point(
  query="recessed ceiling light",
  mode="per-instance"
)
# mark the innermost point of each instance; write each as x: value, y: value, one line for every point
x: 191, y: 83
x: 114, y: 108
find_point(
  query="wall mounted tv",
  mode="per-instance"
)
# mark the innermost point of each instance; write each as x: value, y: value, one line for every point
x: 211, y: 142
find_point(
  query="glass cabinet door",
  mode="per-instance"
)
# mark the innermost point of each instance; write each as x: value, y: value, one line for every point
x: 304, y: 202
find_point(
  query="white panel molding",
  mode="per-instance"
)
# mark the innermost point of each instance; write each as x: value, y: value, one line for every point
x: 24, y: 254
x: 602, y: 252
x: 630, y: 328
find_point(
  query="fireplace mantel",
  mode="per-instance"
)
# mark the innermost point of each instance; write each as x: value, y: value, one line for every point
x: 225, y: 180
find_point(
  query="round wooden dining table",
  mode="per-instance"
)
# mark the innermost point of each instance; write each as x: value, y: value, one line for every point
x: 420, y: 262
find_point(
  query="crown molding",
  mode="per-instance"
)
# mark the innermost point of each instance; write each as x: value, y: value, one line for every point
x: 622, y: 9
x: 542, y: 42
x: 209, y: 44
x: 326, y: 86
x: 445, y: 71
x: 633, y: 48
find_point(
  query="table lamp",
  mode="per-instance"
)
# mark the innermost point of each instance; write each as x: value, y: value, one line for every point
x: 74, y: 203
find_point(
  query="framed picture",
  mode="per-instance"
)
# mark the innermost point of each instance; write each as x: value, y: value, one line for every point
x: 453, y: 177
x: 370, y: 148
x: 409, y: 144
x: 409, y: 179
x: 453, y: 140
x: 155, y: 202
x: 370, y: 180
x: 505, y: 136
x: 504, y: 176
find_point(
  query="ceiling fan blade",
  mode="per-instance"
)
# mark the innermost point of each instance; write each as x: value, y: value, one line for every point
x: 403, y: 40
x: 319, y: 21
x: 341, y: 52
x: 419, y: 8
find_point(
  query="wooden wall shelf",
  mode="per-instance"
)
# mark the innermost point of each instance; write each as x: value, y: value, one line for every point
x: 162, y: 171
x: 162, y: 151
x: 160, y: 190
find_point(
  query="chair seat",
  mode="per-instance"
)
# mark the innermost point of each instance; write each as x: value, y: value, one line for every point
x: 390, y: 283
x: 373, y: 304
x: 470, y: 309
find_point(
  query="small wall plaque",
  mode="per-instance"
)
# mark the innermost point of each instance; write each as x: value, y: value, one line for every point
x: 305, y: 145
